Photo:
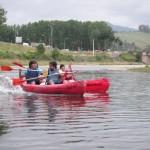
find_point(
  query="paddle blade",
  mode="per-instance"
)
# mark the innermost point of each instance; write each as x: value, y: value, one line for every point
x: 17, y: 81
x: 69, y: 67
x: 6, y: 68
x: 64, y: 76
x: 18, y: 64
x: 70, y: 70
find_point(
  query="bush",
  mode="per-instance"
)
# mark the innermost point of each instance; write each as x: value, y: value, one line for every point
x: 68, y: 57
x: 129, y: 57
x: 40, y: 49
x: 29, y: 55
x: 103, y: 57
x: 44, y: 56
x: 55, y: 53
x: 138, y: 57
x: 8, y: 54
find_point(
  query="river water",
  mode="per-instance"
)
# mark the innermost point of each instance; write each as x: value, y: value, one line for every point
x: 116, y: 120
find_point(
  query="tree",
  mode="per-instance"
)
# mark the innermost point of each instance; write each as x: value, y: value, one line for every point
x: 40, y: 49
x: 79, y: 34
x: 2, y: 16
x: 102, y: 34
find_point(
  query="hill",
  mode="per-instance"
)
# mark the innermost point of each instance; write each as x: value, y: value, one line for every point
x: 141, y: 39
x: 117, y: 28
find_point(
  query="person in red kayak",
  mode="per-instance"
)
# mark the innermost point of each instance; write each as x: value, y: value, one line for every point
x: 65, y: 77
x: 52, y: 74
x: 32, y: 72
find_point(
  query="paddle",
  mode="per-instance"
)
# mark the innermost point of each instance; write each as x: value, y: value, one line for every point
x: 18, y: 64
x: 70, y: 69
x: 8, y: 68
x: 19, y: 81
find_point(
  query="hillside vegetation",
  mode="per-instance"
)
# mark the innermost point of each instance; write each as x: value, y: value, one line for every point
x: 141, y: 39
x: 16, y: 48
x: 14, y: 52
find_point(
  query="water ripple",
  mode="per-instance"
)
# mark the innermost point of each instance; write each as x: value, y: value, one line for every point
x: 115, y: 120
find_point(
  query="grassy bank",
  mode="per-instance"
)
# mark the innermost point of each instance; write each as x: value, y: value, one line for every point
x: 45, y: 62
x: 13, y: 52
x: 144, y: 69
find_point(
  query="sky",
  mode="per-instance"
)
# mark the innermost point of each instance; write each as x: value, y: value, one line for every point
x: 127, y: 13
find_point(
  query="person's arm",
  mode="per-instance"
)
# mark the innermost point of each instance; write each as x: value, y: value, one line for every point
x: 60, y: 73
x: 39, y: 72
x: 20, y: 76
x: 22, y: 73
x: 45, y: 73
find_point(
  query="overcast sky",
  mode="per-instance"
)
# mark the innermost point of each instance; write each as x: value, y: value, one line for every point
x: 129, y: 13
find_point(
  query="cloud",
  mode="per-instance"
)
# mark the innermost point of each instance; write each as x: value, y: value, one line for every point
x: 129, y: 13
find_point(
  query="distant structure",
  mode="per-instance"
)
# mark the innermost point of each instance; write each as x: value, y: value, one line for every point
x: 146, y: 57
x: 144, y: 28
x: 36, y: 44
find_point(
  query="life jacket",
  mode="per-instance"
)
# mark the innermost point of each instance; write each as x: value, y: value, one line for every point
x: 53, y: 77
x: 66, y: 77
x: 32, y: 74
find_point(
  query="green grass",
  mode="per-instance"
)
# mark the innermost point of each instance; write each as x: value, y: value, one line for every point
x: 13, y: 52
x: 140, y: 39
x: 130, y: 57
x: 16, y: 48
x: 144, y: 69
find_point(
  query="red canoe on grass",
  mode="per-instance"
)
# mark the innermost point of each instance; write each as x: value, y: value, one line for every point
x: 70, y: 88
x: 97, y: 85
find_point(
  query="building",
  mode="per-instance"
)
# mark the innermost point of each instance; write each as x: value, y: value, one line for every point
x: 146, y: 57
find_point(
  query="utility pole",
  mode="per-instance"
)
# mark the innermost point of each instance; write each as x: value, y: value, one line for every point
x: 93, y: 47
x: 51, y: 35
x: 65, y: 43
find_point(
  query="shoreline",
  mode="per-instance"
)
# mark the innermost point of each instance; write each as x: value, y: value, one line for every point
x: 100, y: 67
x: 43, y: 62
x: 107, y: 66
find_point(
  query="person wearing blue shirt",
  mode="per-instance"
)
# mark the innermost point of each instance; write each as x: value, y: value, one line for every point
x: 32, y: 72
x: 53, y: 76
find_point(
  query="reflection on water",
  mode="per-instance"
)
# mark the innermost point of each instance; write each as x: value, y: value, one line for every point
x: 49, y: 116
x: 3, y: 128
x: 51, y: 108
x: 115, y: 120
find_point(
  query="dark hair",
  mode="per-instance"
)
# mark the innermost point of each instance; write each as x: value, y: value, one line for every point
x: 62, y: 65
x: 53, y: 63
x: 32, y: 62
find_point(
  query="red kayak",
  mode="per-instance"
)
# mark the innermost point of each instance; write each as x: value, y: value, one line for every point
x: 97, y: 85
x: 70, y: 88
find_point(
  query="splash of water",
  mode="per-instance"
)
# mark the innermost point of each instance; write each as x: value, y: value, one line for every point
x: 6, y: 86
